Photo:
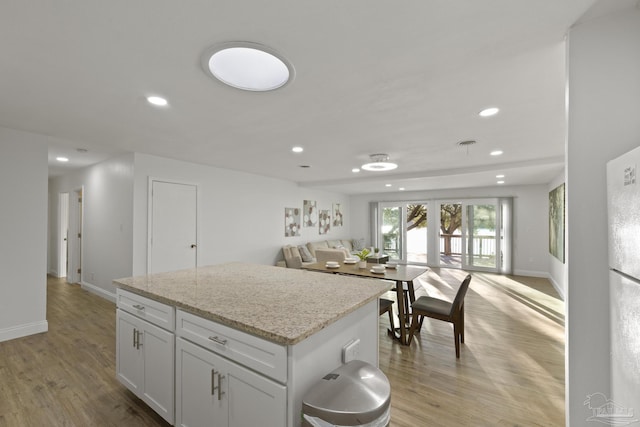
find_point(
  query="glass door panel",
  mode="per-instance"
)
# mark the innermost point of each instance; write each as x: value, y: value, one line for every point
x: 481, y: 225
x: 416, y: 234
x: 390, y: 231
x: 450, y: 235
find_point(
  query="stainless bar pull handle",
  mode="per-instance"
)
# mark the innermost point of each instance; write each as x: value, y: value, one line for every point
x: 218, y: 340
x: 135, y: 334
x: 139, y: 307
x: 139, y: 343
x: 220, y: 392
x: 213, y: 382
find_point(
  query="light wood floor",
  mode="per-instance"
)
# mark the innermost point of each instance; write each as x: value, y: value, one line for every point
x: 511, y: 370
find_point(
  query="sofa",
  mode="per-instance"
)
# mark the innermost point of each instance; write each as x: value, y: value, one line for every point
x: 320, y: 251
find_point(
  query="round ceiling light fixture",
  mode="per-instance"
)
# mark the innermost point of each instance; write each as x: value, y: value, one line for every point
x: 488, y: 112
x: 379, y: 162
x: 247, y: 66
x: 158, y: 101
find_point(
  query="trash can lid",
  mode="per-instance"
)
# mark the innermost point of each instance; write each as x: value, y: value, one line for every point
x: 354, y: 394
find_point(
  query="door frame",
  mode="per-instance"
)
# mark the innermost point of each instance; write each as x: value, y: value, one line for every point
x: 76, y: 226
x: 150, y: 182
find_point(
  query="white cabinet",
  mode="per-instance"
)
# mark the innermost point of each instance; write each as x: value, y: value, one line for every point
x: 225, y: 377
x: 214, y: 391
x: 145, y: 355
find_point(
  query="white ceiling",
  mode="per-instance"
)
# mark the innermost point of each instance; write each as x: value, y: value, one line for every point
x: 372, y: 76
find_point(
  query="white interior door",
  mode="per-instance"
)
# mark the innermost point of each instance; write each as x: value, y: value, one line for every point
x: 63, y: 233
x: 173, y: 226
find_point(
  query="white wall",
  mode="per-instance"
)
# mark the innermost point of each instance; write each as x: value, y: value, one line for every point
x: 241, y: 216
x: 604, y: 122
x: 557, y: 269
x: 23, y: 250
x: 530, y: 224
x: 107, y: 244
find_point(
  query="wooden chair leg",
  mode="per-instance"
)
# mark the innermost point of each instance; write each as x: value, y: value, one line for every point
x: 391, y: 325
x: 462, y: 324
x: 456, y: 337
x: 412, y: 330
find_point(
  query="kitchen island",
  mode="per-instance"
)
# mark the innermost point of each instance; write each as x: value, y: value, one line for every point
x: 239, y: 344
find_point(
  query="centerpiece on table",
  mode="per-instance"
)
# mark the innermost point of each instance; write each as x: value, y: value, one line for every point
x: 363, y: 254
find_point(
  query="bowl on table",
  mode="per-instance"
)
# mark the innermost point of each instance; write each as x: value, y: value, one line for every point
x: 350, y: 260
x: 391, y: 264
x: 378, y: 268
x: 332, y: 264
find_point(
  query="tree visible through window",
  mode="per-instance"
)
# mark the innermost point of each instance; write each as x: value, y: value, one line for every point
x: 450, y: 221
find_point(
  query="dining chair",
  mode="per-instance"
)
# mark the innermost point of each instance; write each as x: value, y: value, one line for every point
x: 452, y: 312
x: 386, y: 307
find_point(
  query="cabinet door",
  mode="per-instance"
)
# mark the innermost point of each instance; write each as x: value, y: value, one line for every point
x: 158, y: 345
x: 199, y: 401
x: 254, y: 400
x: 129, y: 359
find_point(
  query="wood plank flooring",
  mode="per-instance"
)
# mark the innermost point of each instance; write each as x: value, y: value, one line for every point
x: 511, y: 370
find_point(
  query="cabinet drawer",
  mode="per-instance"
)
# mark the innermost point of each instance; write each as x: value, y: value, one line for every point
x: 263, y: 356
x: 154, y: 312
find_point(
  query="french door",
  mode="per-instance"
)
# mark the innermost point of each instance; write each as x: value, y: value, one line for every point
x: 403, y: 231
x: 472, y: 234
x: 481, y: 235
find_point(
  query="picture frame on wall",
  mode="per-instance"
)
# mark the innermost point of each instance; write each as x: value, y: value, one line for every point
x: 324, y: 221
x: 557, y: 222
x: 310, y: 213
x: 337, y: 215
x: 291, y: 222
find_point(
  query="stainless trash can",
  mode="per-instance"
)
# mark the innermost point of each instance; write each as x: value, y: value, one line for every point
x: 355, y: 394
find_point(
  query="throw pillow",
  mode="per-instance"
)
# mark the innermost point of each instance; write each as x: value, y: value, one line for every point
x: 294, y: 252
x: 358, y: 244
x: 305, y: 254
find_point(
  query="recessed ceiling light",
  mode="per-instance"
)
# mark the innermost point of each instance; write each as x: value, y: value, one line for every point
x: 488, y: 112
x: 496, y: 153
x: 499, y: 176
x: 401, y: 188
x: 500, y: 182
x: 355, y: 170
x: 387, y: 185
x: 62, y: 159
x: 247, y: 66
x: 297, y: 149
x: 157, y: 100
x: 379, y: 163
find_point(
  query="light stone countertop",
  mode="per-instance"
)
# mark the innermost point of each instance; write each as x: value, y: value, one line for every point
x: 281, y: 305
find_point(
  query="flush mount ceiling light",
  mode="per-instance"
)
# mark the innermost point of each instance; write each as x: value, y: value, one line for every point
x: 488, y: 112
x: 62, y: 159
x: 379, y: 162
x: 247, y: 66
x: 496, y: 153
x: 297, y: 149
x: 157, y: 101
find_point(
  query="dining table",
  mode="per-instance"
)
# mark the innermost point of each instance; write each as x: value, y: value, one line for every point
x: 402, y: 275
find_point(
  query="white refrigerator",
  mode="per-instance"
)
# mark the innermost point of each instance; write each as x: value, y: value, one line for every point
x: 623, y: 194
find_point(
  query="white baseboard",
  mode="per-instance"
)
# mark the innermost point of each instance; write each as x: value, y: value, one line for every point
x: 20, y: 331
x: 98, y: 291
x: 557, y: 287
x: 531, y: 273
